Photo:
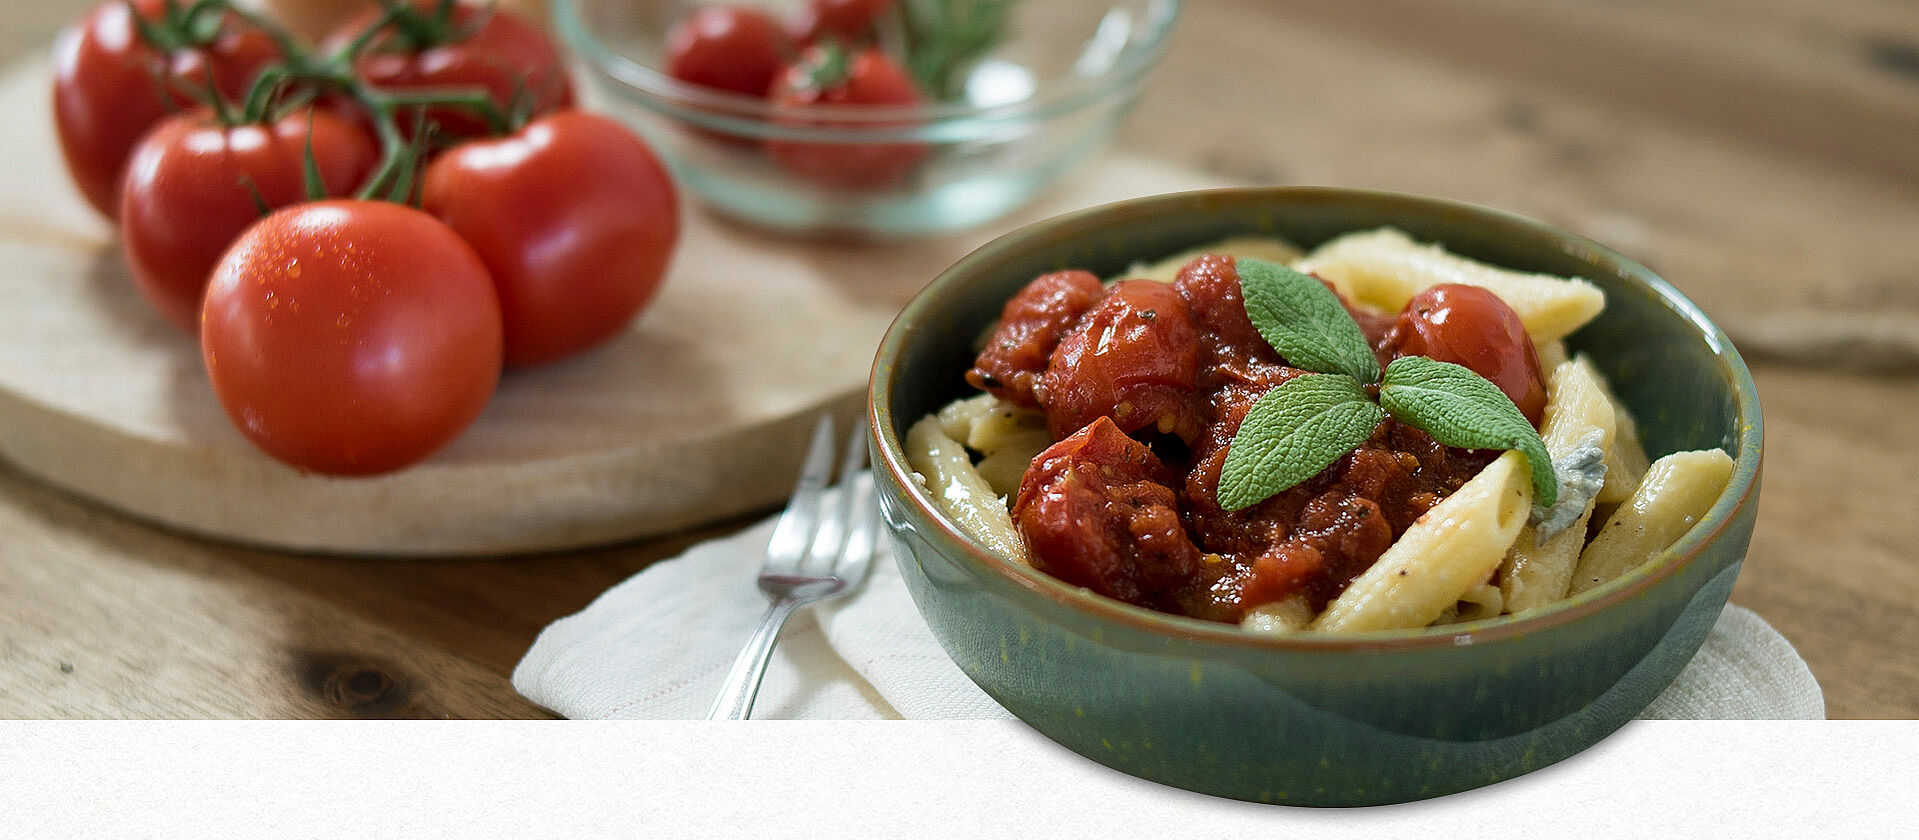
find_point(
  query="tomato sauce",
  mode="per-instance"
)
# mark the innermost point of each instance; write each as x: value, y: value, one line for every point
x: 1144, y: 385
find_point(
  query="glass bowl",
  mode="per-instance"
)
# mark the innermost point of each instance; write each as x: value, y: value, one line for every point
x: 1046, y: 97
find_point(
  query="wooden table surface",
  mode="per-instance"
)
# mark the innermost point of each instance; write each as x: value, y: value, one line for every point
x: 1763, y: 155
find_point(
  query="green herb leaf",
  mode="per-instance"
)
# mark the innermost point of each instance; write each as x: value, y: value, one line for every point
x: 941, y: 40
x: 1460, y: 408
x: 1304, y: 321
x: 1292, y: 433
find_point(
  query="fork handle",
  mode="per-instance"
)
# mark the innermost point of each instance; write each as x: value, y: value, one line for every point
x: 743, y: 682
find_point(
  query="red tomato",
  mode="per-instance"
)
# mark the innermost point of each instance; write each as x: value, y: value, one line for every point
x: 731, y: 48
x: 575, y: 219
x: 1098, y: 511
x: 351, y: 337
x: 1472, y: 327
x: 1134, y: 357
x: 486, y: 48
x: 847, y: 21
x: 110, y: 86
x: 193, y: 185
x: 830, y: 77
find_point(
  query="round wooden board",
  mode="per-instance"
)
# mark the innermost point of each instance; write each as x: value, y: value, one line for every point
x: 696, y: 413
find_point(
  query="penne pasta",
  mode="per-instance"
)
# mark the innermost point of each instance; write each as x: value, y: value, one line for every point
x: 959, y: 490
x: 1552, y: 354
x: 1626, y: 460
x: 1288, y: 615
x: 1385, y: 268
x: 1677, y: 491
x: 1452, y: 548
x: 1483, y: 600
x: 1269, y: 248
x: 1003, y: 469
x: 1578, y: 414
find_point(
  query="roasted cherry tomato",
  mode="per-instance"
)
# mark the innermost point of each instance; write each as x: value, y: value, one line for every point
x: 1098, y: 511
x: 574, y: 217
x: 1133, y: 358
x: 351, y: 337
x: 830, y: 76
x: 110, y: 84
x: 733, y: 48
x: 847, y: 21
x: 193, y: 185
x: 1472, y: 327
x: 469, y: 47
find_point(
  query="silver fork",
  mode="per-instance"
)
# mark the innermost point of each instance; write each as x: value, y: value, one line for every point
x: 814, y: 555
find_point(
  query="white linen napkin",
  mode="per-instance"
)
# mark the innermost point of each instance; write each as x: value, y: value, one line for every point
x: 658, y: 644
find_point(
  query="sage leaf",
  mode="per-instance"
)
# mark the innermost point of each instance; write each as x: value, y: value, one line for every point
x: 1293, y: 432
x: 1304, y: 321
x: 1460, y: 408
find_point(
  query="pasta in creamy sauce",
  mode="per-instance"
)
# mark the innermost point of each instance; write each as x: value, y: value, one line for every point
x: 1477, y: 551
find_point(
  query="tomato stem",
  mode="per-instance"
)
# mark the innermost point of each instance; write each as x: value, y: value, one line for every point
x: 181, y: 27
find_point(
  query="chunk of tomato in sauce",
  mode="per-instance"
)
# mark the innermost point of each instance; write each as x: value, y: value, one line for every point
x: 1030, y: 326
x: 1097, y: 510
x: 1472, y: 327
x: 1134, y: 358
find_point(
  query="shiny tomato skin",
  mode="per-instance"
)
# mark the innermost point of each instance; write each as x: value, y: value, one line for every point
x: 870, y: 78
x: 1472, y: 327
x: 576, y: 220
x: 847, y: 21
x: 351, y: 337
x: 501, y: 52
x: 731, y: 48
x: 109, y: 87
x: 1134, y: 358
x: 193, y: 185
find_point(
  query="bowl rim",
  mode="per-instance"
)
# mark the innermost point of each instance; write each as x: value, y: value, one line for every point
x: 739, y: 112
x: 1739, y: 491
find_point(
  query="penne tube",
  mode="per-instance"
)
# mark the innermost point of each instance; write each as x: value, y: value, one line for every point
x: 1288, y: 615
x: 1578, y: 414
x: 1269, y: 248
x: 1004, y: 469
x: 1552, y: 354
x: 1385, y: 268
x: 1483, y: 600
x: 959, y: 490
x: 1452, y: 548
x: 987, y: 424
x: 959, y: 416
x: 1626, y: 460
x: 1678, y: 490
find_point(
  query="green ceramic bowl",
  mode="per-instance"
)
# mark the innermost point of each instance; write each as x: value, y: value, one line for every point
x: 1321, y: 720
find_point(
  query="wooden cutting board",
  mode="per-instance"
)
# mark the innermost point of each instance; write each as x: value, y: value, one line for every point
x: 696, y: 413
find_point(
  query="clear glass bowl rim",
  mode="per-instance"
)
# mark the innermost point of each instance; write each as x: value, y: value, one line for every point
x: 749, y: 115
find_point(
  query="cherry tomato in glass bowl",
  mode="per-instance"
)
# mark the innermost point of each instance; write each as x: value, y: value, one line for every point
x: 194, y: 184
x: 1472, y: 327
x: 830, y: 76
x: 351, y: 337
x: 576, y: 220
x: 731, y: 48
x: 110, y: 85
x: 469, y: 47
x: 847, y: 21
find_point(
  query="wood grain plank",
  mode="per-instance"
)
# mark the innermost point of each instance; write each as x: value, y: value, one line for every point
x: 1800, y: 83
x: 111, y: 618
x: 1831, y: 563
